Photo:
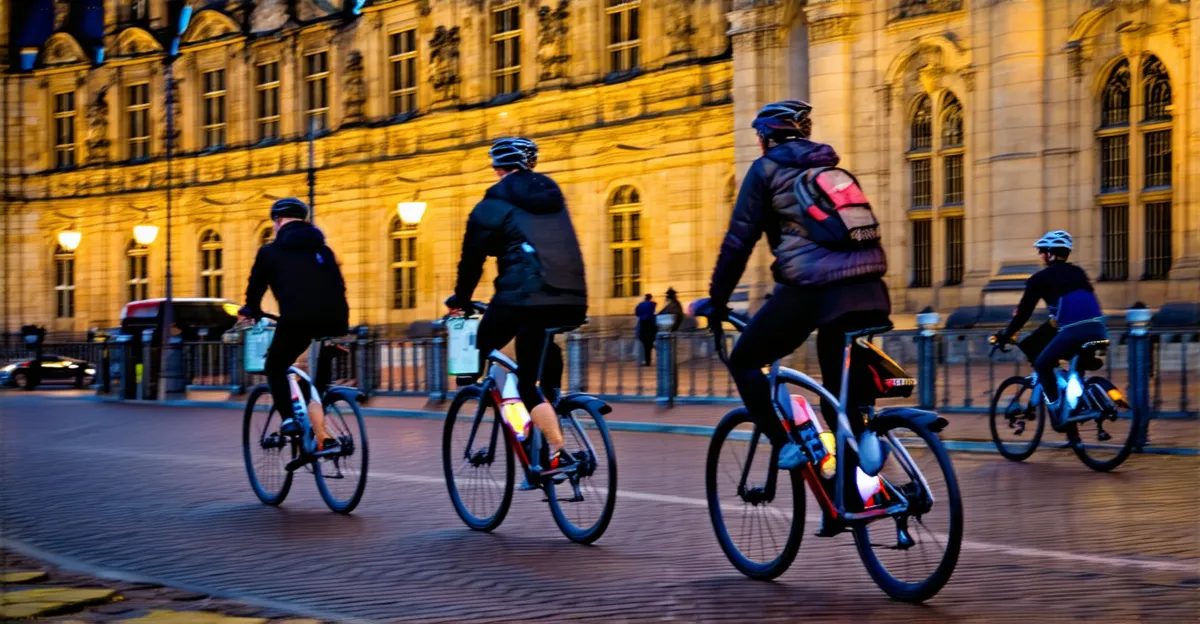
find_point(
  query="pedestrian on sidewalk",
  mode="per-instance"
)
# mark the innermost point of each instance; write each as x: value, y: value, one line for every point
x: 646, y: 328
x: 673, y: 308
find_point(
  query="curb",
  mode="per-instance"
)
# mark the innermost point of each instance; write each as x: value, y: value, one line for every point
x: 964, y: 446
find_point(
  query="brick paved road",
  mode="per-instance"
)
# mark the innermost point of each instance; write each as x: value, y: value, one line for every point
x: 162, y: 493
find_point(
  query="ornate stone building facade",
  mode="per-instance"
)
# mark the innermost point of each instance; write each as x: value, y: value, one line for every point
x: 974, y: 126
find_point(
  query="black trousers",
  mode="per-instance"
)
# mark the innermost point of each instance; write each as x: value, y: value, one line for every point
x: 528, y: 324
x: 783, y: 324
x: 290, y: 341
x: 647, y: 333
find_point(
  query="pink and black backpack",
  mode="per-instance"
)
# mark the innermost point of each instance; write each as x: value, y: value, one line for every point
x: 834, y: 210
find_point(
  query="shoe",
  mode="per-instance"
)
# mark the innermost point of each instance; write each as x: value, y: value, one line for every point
x: 290, y: 427
x: 791, y: 456
x: 830, y: 527
x: 561, y: 460
x: 329, y: 447
x: 1055, y: 409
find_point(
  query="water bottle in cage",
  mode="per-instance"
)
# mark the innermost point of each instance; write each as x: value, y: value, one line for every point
x: 513, y: 408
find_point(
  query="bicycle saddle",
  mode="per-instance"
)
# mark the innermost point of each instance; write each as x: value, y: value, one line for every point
x: 871, y: 331
x: 1095, y: 344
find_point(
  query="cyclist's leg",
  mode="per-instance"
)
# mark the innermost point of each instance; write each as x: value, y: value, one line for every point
x: 531, y: 344
x: 779, y: 327
x: 831, y: 344
x: 1064, y: 346
x: 286, y: 346
x: 497, y: 327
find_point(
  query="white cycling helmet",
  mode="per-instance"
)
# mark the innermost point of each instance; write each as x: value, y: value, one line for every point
x: 1055, y: 239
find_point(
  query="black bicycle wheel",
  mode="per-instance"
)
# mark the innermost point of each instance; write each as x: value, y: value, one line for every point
x: 759, y: 530
x: 914, y: 569
x: 473, y: 444
x: 264, y: 449
x: 583, y: 504
x: 1105, y: 442
x: 342, y: 478
x: 1016, y: 423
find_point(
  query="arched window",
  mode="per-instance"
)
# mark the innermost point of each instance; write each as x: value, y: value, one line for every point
x: 212, y: 264
x: 920, y: 165
x: 404, y: 265
x: 936, y: 159
x: 1120, y: 138
x: 951, y: 153
x: 64, y: 282
x: 625, y: 243
x: 137, y: 275
x: 922, y: 125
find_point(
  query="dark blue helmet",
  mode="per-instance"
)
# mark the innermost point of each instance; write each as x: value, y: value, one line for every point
x: 289, y: 208
x: 783, y: 120
x: 514, y: 152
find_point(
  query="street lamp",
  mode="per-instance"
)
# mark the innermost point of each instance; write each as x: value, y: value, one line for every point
x: 145, y: 233
x: 69, y: 239
x: 410, y: 212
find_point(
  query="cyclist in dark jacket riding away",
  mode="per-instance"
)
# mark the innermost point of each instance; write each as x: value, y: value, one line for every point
x: 303, y: 274
x: 1074, y: 311
x: 832, y: 290
x: 540, y: 283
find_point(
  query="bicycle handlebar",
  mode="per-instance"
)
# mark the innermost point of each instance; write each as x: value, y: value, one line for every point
x: 477, y: 306
x: 999, y: 346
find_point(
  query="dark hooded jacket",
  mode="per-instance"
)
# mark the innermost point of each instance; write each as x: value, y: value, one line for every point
x: 523, y: 222
x: 304, y: 276
x: 767, y: 205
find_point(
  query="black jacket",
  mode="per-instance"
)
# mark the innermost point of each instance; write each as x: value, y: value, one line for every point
x: 1050, y: 285
x: 523, y: 222
x: 304, y: 276
x: 767, y: 204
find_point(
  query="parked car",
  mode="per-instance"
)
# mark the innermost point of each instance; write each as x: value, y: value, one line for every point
x: 55, y: 369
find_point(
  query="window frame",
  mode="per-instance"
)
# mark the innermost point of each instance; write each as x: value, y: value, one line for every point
x: 64, y: 283
x: 138, y: 146
x: 922, y: 252
x: 316, y: 80
x: 211, y: 264
x: 404, y: 62
x: 137, y: 271
x: 404, y: 237
x: 626, y: 246
x: 214, y: 128
x: 66, y: 155
x: 268, y: 127
x: 505, y: 45
x: 624, y: 54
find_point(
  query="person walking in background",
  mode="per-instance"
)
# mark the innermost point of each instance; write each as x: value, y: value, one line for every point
x: 646, y: 328
x: 673, y: 308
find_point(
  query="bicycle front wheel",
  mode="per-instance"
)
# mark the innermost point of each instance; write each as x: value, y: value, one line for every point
x: 477, y: 460
x: 757, y: 510
x: 265, y: 451
x: 582, y: 503
x: 1104, y: 443
x: 1016, y: 423
x: 911, y: 555
x: 342, y: 478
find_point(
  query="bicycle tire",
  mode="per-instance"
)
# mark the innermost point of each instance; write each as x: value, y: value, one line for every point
x: 1081, y: 450
x: 449, y: 458
x: 994, y: 416
x: 930, y: 586
x: 758, y: 571
x: 269, y: 496
x: 585, y: 535
x: 358, y: 449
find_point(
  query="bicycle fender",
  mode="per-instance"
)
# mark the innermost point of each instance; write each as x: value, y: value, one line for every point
x: 890, y: 415
x: 587, y: 400
x: 1108, y: 387
x: 351, y: 395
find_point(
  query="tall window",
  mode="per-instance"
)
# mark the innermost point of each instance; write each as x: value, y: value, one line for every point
x: 625, y: 214
x: 955, y: 255
x: 316, y: 90
x: 920, y: 155
x: 137, y: 280
x: 64, y: 129
x: 403, y: 57
x: 404, y: 265
x: 1122, y: 137
x: 64, y: 283
x: 937, y: 191
x: 506, y: 48
x: 137, y: 110
x: 212, y: 264
x: 267, y: 99
x: 624, y: 34
x: 922, y: 253
x: 214, y: 108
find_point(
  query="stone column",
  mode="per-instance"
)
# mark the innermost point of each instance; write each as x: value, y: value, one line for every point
x: 831, y: 72
x: 1187, y: 269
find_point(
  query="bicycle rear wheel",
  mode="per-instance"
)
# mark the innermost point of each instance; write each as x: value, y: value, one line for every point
x: 912, y: 555
x: 265, y: 451
x: 477, y: 460
x: 342, y: 478
x: 1012, y: 415
x: 1115, y: 422
x: 757, y: 510
x: 590, y: 494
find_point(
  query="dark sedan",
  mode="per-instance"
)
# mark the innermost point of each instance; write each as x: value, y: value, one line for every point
x: 55, y: 369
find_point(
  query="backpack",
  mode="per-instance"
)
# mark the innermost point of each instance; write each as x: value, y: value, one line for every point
x: 834, y: 211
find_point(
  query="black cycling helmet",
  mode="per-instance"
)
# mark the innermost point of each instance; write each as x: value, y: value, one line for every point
x: 783, y: 121
x: 514, y: 152
x: 289, y: 208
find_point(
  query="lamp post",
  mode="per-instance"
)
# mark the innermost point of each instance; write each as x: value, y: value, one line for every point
x: 171, y: 363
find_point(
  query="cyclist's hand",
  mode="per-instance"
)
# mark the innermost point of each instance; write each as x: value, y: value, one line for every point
x: 459, y: 308
x: 708, y: 308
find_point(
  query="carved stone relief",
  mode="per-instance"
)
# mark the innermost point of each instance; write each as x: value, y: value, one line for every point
x: 356, y: 91
x: 443, y: 63
x: 97, y: 121
x: 552, y: 40
x: 680, y: 29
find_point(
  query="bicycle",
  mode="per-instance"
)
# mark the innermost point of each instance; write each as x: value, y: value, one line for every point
x: 281, y: 455
x: 754, y: 487
x: 488, y: 442
x: 1095, y: 400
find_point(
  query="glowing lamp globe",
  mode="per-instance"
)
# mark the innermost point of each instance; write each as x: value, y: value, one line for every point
x: 411, y: 212
x: 145, y: 233
x: 70, y: 239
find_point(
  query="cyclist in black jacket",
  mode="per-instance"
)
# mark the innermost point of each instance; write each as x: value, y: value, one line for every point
x: 1074, y: 312
x: 303, y: 274
x: 523, y: 221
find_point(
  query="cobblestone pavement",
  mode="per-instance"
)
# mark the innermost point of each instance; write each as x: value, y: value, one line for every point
x: 162, y: 493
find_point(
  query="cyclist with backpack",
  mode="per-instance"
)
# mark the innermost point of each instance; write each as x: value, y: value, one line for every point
x: 523, y: 221
x: 1075, y: 315
x: 828, y: 264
